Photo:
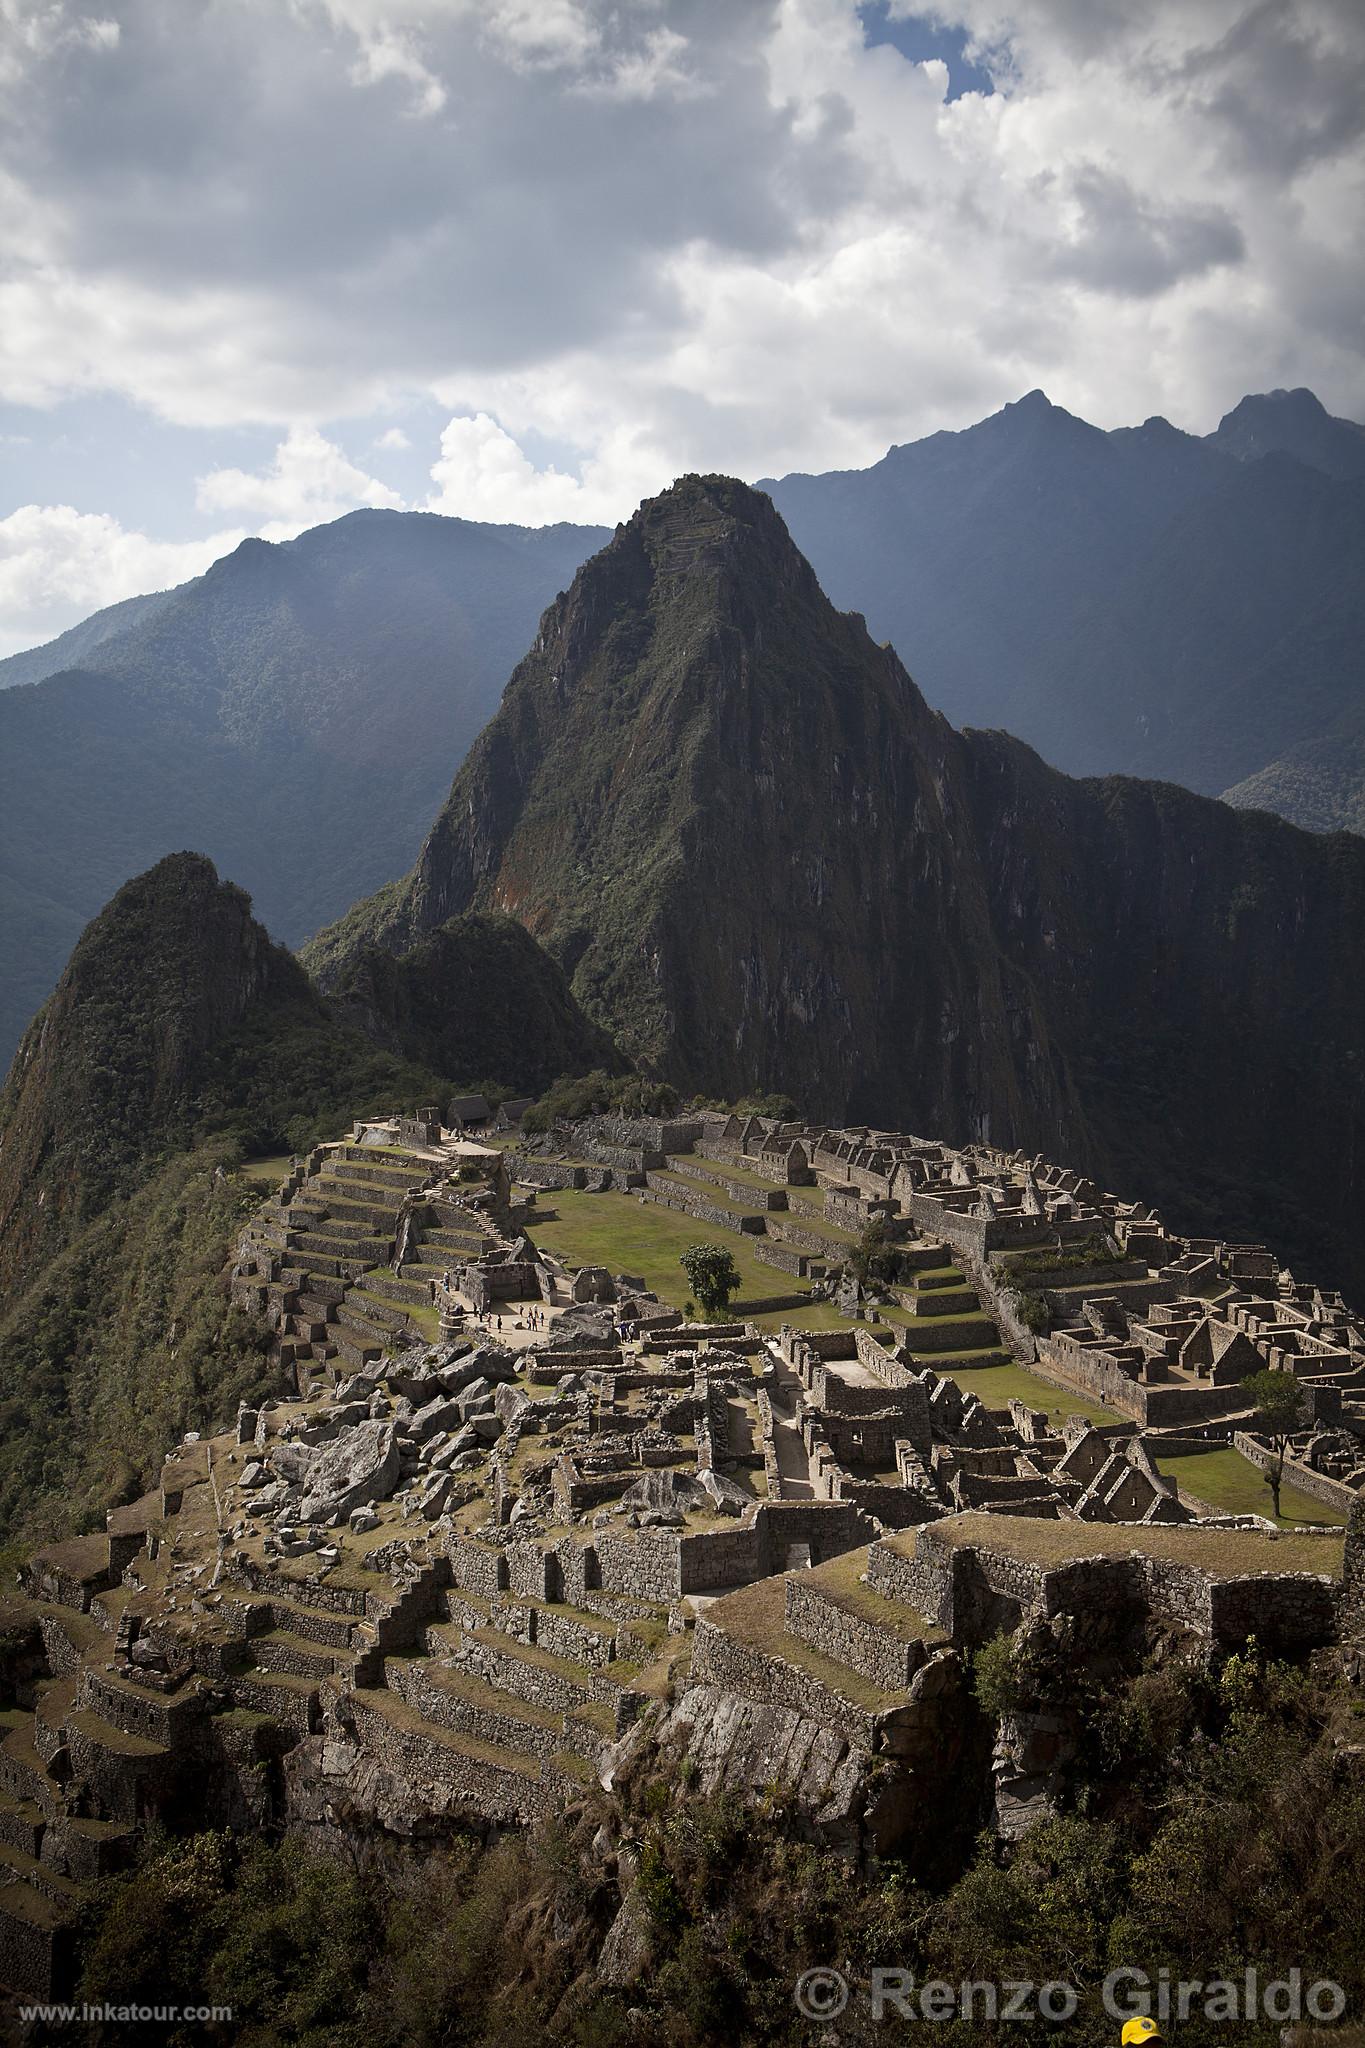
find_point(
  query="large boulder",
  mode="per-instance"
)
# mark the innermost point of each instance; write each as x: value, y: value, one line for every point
x: 729, y: 1498
x: 665, y: 1491
x: 358, y: 1469
x: 440, y: 1414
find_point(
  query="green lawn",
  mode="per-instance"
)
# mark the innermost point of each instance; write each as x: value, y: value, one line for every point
x: 716, y: 1171
x: 997, y: 1385
x: 271, y: 1170
x: 1230, y: 1482
x: 628, y: 1236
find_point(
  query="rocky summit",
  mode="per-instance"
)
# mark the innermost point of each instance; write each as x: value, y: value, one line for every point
x: 764, y: 862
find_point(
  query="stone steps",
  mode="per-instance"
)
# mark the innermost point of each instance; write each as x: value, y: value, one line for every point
x: 852, y: 1624
x: 555, y: 1682
x: 36, y: 1939
x: 87, y: 1850
x: 53, y: 1704
x: 137, y: 1710
x: 355, y: 1320
x: 128, y: 1774
x: 24, y: 1775
x: 454, y: 1699
x: 319, y: 1245
x: 323, y: 1222
x: 286, y: 1698
x: 398, y: 1178
x: 354, y: 1350
x: 18, y: 1868
x: 495, y: 1784
x: 327, y: 1627
x: 389, y: 1288
x: 952, y: 1299
x: 455, y: 1244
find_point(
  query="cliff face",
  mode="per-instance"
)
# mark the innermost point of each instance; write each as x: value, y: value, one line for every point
x: 767, y: 864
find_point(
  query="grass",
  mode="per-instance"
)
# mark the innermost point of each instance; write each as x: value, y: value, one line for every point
x: 757, y: 1615
x: 842, y: 1579
x: 816, y: 1315
x: 626, y: 1236
x: 998, y: 1385
x: 1230, y: 1482
x: 1225, y: 1553
x: 715, y: 1170
x: 271, y: 1169
x: 676, y: 1184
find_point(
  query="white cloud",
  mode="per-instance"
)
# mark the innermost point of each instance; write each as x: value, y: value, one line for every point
x: 393, y: 440
x: 309, y: 481
x: 483, y: 474
x: 33, y: 30
x: 57, y: 565
x: 666, y: 234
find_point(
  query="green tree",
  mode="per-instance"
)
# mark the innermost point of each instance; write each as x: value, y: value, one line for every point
x: 868, y: 1256
x: 1279, y: 1412
x: 712, y: 1275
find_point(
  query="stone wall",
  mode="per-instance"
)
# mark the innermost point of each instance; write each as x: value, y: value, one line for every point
x: 1079, y: 1370
x: 468, y: 1780
x: 477, y: 1567
x: 849, y: 1638
x: 669, y: 1196
x: 973, y: 1592
x: 545, y: 1173
x: 738, y: 1190
x: 718, y: 1659
x: 1333, y: 1493
x: 787, y: 1258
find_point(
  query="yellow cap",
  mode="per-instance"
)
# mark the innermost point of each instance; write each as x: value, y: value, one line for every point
x: 1139, y: 2030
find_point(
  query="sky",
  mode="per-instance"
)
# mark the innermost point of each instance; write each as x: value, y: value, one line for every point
x: 264, y: 261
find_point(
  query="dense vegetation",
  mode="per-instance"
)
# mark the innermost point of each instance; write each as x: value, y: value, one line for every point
x: 1212, y: 1823
x: 477, y: 998
x: 571, y: 1098
x: 177, y: 1018
x: 126, y: 1341
x: 179, y: 1040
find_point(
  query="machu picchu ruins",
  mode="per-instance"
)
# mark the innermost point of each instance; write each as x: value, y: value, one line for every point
x: 519, y: 1516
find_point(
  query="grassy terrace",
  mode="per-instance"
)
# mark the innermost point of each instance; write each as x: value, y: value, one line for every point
x: 1231, y: 1483
x: 270, y: 1171
x: 629, y: 1236
x: 842, y: 1579
x: 998, y: 1385
x: 756, y: 1615
x: 1225, y: 1553
x: 712, y: 1192
x: 716, y: 1170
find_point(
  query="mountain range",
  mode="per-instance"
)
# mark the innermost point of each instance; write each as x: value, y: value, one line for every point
x: 1144, y: 600
x: 294, y: 714
x: 764, y: 862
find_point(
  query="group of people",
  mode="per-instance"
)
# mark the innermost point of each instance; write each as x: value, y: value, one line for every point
x: 491, y: 1319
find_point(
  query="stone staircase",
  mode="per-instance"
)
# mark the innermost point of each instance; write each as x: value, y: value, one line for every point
x: 317, y: 1256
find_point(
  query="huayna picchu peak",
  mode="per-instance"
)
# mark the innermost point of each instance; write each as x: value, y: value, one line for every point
x: 765, y: 863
